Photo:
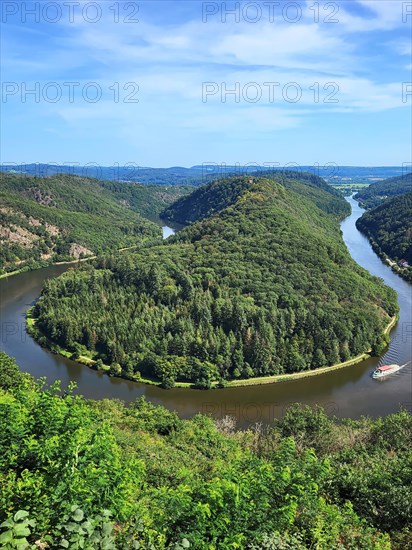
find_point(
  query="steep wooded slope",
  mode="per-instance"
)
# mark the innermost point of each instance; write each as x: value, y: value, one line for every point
x: 376, y: 193
x: 64, y: 217
x: 389, y: 228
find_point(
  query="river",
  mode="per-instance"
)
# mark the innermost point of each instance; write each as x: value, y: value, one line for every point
x: 349, y: 392
x: 167, y: 231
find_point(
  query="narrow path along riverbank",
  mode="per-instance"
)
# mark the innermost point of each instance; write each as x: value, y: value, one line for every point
x: 315, y: 372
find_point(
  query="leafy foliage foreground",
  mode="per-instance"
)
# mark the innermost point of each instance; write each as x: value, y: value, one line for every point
x: 82, y: 474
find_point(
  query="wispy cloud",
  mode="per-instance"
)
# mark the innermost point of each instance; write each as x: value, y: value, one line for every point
x: 353, y: 62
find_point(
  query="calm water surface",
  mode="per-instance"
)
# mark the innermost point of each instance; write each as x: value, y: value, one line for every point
x: 349, y: 392
x: 167, y: 231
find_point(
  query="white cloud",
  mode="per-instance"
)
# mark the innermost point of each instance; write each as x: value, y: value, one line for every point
x: 384, y: 15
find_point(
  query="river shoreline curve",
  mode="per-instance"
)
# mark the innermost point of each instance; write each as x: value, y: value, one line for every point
x: 276, y: 378
x: 68, y: 262
x: 343, y: 392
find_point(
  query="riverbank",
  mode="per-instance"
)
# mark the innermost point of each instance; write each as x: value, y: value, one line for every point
x: 315, y: 372
x: 23, y: 270
x: 90, y: 362
x: 43, y: 263
x: 27, y: 269
x: 405, y: 273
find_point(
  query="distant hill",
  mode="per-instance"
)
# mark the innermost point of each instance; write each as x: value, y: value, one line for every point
x: 131, y: 172
x: 260, y: 283
x: 65, y: 217
x: 376, y: 193
x: 202, y: 173
x: 389, y: 227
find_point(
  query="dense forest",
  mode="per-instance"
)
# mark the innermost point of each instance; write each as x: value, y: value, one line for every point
x: 262, y: 284
x: 64, y: 217
x: 97, y: 474
x: 389, y: 228
x: 376, y: 193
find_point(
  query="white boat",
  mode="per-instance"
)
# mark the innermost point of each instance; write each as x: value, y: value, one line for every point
x: 386, y: 370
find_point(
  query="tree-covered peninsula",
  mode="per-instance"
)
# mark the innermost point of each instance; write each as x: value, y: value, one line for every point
x: 259, y: 284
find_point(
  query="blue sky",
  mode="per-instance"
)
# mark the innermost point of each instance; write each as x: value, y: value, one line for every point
x: 149, y: 82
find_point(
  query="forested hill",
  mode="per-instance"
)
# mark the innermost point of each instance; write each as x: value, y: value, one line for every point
x: 206, y: 200
x: 63, y: 217
x: 389, y: 227
x: 217, y: 195
x: 310, y: 186
x: 264, y: 286
x: 376, y: 193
